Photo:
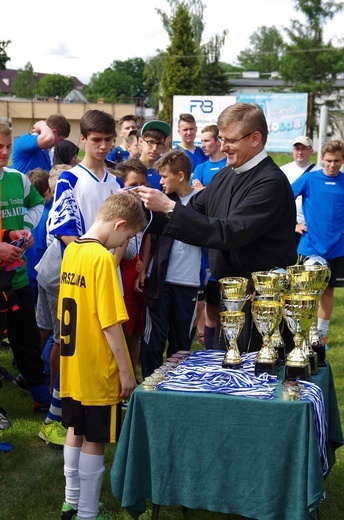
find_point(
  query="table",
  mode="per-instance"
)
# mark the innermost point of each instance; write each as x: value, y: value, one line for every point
x: 256, y: 458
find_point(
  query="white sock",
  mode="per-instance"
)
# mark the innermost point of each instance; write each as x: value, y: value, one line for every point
x: 91, y: 472
x: 323, y: 326
x: 71, y: 472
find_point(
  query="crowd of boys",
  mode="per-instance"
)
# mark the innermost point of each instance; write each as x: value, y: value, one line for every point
x: 122, y: 273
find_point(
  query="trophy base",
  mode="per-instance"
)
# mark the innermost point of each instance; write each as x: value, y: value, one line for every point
x: 280, y: 351
x: 320, y: 350
x: 265, y: 366
x: 294, y: 372
x: 228, y: 364
x: 313, y: 360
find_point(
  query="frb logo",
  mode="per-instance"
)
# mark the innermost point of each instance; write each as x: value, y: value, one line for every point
x: 206, y: 106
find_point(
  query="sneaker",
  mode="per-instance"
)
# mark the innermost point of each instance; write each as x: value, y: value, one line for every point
x: 124, y: 404
x: 68, y: 512
x: 4, y: 422
x: 21, y: 382
x: 53, y: 433
x: 41, y: 407
x: 99, y: 517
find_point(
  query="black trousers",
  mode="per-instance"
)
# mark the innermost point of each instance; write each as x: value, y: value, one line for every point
x: 24, y: 338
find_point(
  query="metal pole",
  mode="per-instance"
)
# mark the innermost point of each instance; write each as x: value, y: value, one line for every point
x: 322, y: 131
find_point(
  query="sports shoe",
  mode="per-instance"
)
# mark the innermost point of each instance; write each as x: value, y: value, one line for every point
x: 53, y: 433
x: 21, y: 382
x: 4, y: 422
x: 68, y: 512
x: 41, y: 407
x: 99, y: 517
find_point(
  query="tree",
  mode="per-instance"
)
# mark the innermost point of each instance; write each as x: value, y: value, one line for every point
x: 153, y: 70
x: 53, y: 85
x: 310, y: 64
x: 182, y: 71
x: 25, y: 83
x: 265, y: 51
x: 214, y: 77
x: 120, y: 81
x: 3, y: 54
x: 196, y: 10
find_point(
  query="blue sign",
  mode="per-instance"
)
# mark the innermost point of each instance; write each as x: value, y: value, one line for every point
x: 286, y: 115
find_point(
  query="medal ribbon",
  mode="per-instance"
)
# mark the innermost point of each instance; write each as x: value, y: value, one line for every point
x: 202, y: 372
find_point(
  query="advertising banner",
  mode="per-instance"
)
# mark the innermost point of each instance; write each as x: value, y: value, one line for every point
x: 286, y: 115
x: 205, y: 110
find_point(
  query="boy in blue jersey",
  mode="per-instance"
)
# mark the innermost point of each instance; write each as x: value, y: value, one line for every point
x: 187, y: 130
x: 120, y: 153
x: 322, y: 194
x: 204, y: 172
x: 31, y: 151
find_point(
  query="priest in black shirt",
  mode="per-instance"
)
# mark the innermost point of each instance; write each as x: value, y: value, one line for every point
x: 245, y: 217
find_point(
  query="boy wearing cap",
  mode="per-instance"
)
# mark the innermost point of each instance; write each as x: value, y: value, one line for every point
x: 302, y: 151
x: 152, y: 143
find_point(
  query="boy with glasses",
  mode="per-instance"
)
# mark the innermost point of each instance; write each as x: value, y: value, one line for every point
x: 152, y: 142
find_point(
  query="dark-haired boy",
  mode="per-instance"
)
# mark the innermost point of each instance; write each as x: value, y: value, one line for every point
x: 152, y: 143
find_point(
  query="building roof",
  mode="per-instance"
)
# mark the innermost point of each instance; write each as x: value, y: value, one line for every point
x: 7, y: 76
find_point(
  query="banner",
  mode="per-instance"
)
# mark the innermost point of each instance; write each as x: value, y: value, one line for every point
x: 205, y: 109
x: 286, y: 115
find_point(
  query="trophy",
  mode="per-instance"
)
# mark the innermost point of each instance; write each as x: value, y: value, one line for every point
x: 270, y: 285
x: 313, y: 336
x: 309, y: 279
x: 298, y: 311
x: 234, y: 297
x: 267, y: 315
x: 232, y: 323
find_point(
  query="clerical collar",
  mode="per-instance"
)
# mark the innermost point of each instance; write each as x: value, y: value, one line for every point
x: 251, y: 163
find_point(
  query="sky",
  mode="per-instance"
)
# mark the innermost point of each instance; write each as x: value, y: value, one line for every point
x: 78, y: 38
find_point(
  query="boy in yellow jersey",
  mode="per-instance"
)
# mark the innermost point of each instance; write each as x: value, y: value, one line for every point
x: 95, y: 369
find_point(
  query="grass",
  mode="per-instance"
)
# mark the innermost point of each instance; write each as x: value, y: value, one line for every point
x: 31, y: 476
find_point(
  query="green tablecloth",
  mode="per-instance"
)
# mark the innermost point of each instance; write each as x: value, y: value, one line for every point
x: 256, y: 458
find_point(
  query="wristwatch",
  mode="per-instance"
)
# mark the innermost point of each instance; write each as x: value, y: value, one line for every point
x: 169, y: 214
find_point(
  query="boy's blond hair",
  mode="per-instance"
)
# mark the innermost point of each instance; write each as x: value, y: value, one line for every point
x: 336, y: 145
x: 123, y: 205
x: 177, y: 161
x: 55, y: 173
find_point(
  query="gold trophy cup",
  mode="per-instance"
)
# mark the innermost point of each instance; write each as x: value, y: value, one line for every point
x: 298, y: 311
x: 271, y: 285
x: 234, y: 297
x: 232, y: 323
x: 267, y: 315
x: 311, y: 280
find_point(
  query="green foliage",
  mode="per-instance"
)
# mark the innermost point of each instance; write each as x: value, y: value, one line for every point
x: 195, y: 9
x: 3, y: 54
x: 25, y: 83
x: 264, y: 52
x: 120, y: 81
x: 309, y: 63
x: 152, y: 73
x: 53, y: 85
x: 214, y: 77
x: 182, y: 71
